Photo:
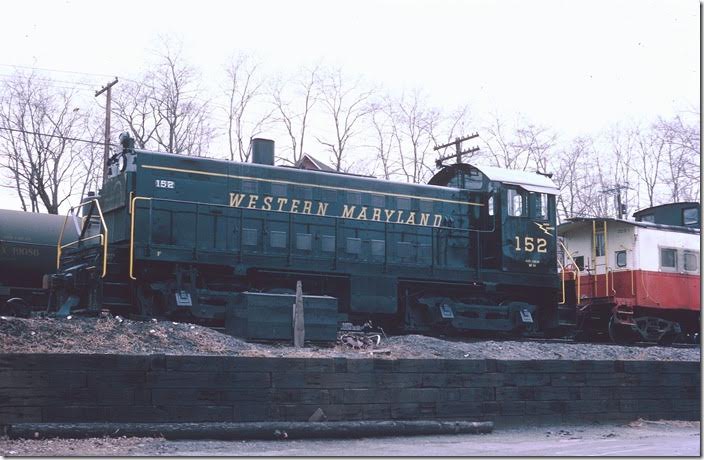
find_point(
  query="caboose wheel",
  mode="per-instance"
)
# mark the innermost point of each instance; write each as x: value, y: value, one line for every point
x: 621, y: 334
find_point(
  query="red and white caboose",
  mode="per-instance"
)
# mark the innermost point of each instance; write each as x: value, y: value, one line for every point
x: 638, y: 280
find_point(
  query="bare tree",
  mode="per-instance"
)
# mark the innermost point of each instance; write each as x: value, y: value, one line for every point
x: 381, y: 124
x: 346, y: 104
x: 572, y: 178
x: 650, y: 151
x: 414, y: 123
x: 134, y: 104
x: 165, y: 110
x: 40, y: 137
x: 244, y: 89
x: 501, y: 143
x: 682, y: 172
x: 536, y: 144
x: 293, y: 100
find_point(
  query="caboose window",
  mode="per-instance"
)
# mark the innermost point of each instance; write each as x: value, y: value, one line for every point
x: 621, y: 258
x: 668, y: 259
x: 515, y: 202
x: 599, y: 243
x: 690, y: 216
x: 691, y: 262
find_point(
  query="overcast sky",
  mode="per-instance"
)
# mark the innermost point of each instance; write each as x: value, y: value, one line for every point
x: 575, y: 66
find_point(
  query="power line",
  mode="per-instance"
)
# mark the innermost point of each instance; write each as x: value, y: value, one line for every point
x: 56, y: 70
x: 56, y: 136
x: 51, y: 80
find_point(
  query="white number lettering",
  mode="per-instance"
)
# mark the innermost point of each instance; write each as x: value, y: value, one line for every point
x: 161, y: 183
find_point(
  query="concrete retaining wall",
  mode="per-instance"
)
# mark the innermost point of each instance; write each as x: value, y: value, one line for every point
x: 158, y: 388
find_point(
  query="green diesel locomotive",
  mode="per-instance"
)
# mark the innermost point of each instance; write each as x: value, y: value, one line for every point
x: 185, y: 237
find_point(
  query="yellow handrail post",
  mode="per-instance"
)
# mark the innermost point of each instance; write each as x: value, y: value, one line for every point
x: 576, y: 267
x: 562, y: 271
x: 58, y: 243
x: 606, y: 261
x: 105, y: 246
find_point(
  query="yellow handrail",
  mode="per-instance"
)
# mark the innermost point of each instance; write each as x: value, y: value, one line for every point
x: 58, y: 243
x: 134, y: 211
x: 612, y: 280
x: 576, y: 267
x: 84, y: 239
x: 606, y: 260
x: 103, y: 240
x: 562, y: 272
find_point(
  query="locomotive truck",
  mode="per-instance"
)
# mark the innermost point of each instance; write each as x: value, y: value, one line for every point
x: 179, y: 236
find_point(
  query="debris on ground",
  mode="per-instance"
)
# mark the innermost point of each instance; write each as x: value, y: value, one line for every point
x: 115, y: 334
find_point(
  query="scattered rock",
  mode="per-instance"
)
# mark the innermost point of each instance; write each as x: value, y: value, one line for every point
x: 108, y: 334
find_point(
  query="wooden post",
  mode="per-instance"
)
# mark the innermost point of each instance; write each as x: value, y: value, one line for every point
x: 298, y: 322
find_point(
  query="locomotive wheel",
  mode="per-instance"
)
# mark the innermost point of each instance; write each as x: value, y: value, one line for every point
x: 620, y: 334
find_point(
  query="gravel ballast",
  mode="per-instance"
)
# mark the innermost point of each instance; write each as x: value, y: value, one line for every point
x: 108, y: 334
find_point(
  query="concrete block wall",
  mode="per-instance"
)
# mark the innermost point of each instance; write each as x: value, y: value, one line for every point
x: 158, y: 388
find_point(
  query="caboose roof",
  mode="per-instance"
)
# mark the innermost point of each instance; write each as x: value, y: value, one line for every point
x: 533, y: 182
x: 575, y: 222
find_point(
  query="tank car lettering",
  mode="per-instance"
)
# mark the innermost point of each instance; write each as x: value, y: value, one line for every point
x: 236, y: 199
x: 362, y: 214
x: 389, y: 213
x: 25, y: 252
x: 253, y: 201
x: 294, y: 205
x: 322, y: 209
x: 424, y: 216
x: 348, y: 212
x: 282, y: 202
x: 267, y: 203
x: 307, y: 205
x: 376, y: 214
x: 437, y: 221
x: 398, y: 219
x: 412, y: 218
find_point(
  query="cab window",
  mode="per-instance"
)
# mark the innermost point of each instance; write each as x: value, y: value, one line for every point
x: 515, y: 202
x: 540, y: 205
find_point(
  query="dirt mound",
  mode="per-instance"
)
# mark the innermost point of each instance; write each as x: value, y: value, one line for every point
x: 108, y: 334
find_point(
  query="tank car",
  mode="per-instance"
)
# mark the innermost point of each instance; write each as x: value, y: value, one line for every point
x: 637, y: 279
x: 473, y: 250
x: 28, y: 248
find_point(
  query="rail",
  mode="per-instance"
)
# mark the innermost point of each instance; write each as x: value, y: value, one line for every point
x: 94, y: 203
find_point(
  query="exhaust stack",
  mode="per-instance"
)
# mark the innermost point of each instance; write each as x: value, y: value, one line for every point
x: 263, y: 151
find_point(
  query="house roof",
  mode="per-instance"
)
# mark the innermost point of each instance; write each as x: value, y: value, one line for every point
x: 319, y: 165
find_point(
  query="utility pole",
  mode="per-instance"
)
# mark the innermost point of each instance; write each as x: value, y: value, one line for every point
x: 458, y: 150
x: 620, y: 208
x: 106, y: 89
